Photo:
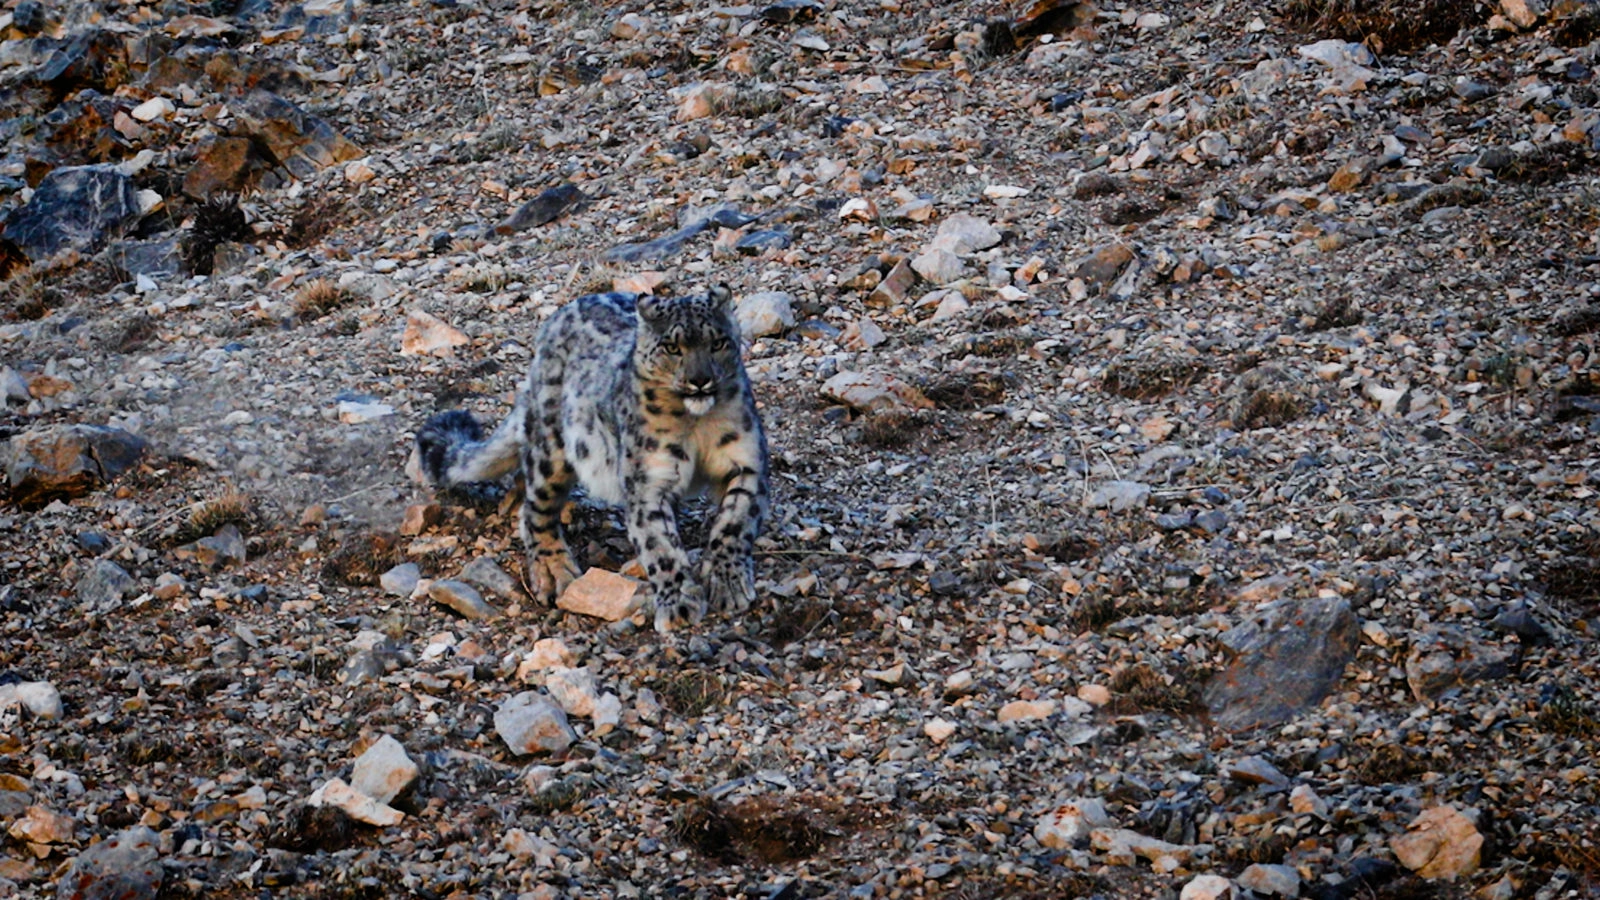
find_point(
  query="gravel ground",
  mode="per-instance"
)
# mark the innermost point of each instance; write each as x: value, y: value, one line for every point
x: 1213, y: 510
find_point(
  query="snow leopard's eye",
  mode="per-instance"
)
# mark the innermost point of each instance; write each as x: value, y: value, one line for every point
x: 719, y: 345
x: 672, y: 349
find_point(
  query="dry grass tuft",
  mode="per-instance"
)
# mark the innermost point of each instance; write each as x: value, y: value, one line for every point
x: 693, y: 692
x: 1139, y: 689
x: 1394, y: 26
x: 1578, y: 320
x: 1268, y: 408
x: 1148, y: 378
x: 229, y: 508
x: 1336, y: 312
x: 892, y: 430
x: 967, y: 391
x: 25, y: 296
x: 764, y: 830
x: 361, y: 558
x: 318, y: 297
x: 1387, y: 764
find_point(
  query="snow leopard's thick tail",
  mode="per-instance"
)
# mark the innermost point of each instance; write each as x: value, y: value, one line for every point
x: 453, y: 453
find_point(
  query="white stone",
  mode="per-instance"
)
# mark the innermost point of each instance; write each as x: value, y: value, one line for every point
x: 1282, y: 881
x: 384, y: 770
x: 530, y: 723
x: 401, y: 580
x: 1006, y: 191
x: 963, y: 233
x: 764, y: 313
x: 602, y: 594
x: 938, y: 730
x: 352, y: 412
x: 39, y: 698
x: 630, y: 26
x: 607, y: 714
x: 1119, y: 495
x: 874, y: 392
x: 149, y: 201
x: 1207, y: 887
x: 574, y: 689
x: 938, y: 266
x: 525, y: 847
x: 356, y: 805
x: 547, y: 653
x: 152, y: 109
x: 701, y: 99
x: 426, y: 335
x: 1071, y: 822
x: 951, y: 304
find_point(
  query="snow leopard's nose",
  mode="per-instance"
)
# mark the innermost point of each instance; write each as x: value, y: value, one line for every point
x: 700, y: 378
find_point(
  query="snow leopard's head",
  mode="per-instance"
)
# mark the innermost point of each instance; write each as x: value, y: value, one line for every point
x: 689, y: 347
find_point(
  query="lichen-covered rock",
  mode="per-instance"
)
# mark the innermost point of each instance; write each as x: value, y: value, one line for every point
x: 74, y: 208
x: 68, y: 460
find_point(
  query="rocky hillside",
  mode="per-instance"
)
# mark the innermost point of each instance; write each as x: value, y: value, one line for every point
x: 1184, y: 423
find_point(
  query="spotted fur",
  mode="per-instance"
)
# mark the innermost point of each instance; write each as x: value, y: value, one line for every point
x: 642, y: 401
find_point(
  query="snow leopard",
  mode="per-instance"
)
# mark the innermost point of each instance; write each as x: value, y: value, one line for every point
x: 643, y: 401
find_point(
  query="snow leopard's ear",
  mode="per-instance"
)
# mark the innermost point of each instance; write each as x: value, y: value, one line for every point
x: 722, y: 295
x: 651, y: 308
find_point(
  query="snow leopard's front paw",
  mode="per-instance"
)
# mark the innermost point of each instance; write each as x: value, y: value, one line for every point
x: 549, y: 573
x: 730, y: 583
x: 679, y: 606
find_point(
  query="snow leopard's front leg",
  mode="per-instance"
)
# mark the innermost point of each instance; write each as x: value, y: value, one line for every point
x: 740, y: 488
x: 653, y: 528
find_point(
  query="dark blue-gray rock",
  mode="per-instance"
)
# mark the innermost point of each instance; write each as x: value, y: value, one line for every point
x: 816, y: 330
x: 125, y: 866
x: 1212, y: 521
x: 155, y: 258
x: 220, y: 549
x: 1446, y: 657
x: 29, y: 18
x: 1472, y: 91
x: 945, y: 583
x: 462, y: 598
x: 401, y: 580
x: 549, y: 205
x: 67, y: 461
x: 1175, y: 521
x: 103, y: 586
x: 1287, y: 656
x: 1520, y: 621
x: 93, y: 542
x: 487, y: 574
x: 74, y: 208
x: 297, y: 140
x: 96, y: 58
x: 757, y: 242
x: 693, y: 223
x: 786, y: 12
x: 1496, y: 158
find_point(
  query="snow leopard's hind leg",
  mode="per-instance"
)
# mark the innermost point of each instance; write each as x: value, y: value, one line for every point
x: 547, y: 484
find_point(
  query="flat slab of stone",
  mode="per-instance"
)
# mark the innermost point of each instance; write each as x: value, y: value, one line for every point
x: 1288, y: 655
x: 602, y: 594
x: 64, y: 461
